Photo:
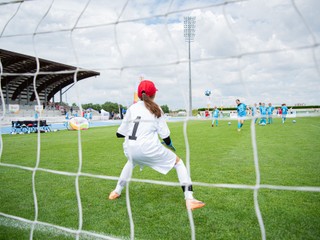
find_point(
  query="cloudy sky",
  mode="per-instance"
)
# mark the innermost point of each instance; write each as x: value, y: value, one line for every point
x: 255, y: 50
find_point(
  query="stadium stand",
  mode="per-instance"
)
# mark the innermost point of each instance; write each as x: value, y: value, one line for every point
x: 17, y: 84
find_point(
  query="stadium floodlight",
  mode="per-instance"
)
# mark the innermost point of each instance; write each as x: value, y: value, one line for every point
x: 189, y: 33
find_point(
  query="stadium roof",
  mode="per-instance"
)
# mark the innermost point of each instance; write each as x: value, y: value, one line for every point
x: 17, y: 72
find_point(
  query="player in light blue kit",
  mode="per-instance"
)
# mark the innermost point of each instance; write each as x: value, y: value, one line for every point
x: 284, y: 109
x: 215, y: 115
x: 242, y: 113
x: 254, y: 113
x: 263, y: 113
x: 270, y: 110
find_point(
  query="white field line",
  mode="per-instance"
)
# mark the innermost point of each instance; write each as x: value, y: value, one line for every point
x: 50, y: 229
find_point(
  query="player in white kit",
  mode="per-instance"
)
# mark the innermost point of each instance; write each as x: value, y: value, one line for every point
x: 141, y: 127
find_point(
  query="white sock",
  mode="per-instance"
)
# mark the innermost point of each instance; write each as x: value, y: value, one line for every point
x: 184, y: 179
x: 124, y: 176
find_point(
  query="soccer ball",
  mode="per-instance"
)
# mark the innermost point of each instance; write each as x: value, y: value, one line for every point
x: 229, y: 123
x: 207, y: 92
x: 294, y: 121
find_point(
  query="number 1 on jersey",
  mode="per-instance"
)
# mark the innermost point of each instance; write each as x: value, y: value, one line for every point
x: 135, y: 128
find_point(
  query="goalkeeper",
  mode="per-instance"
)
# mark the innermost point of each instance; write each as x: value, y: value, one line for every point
x: 141, y: 127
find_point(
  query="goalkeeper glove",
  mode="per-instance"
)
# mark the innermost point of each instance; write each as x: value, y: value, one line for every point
x: 170, y: 146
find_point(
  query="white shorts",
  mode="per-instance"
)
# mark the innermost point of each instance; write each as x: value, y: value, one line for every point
x: 155, y: 156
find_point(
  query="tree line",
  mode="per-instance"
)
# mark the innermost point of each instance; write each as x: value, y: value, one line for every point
x: 113, y: 107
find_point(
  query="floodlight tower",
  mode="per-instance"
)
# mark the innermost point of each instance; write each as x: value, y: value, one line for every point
x: 189, y: 33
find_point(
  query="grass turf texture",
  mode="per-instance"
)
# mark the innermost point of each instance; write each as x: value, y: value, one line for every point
x: 289, y: 155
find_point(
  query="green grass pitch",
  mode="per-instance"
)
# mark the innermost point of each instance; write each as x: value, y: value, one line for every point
x: 289, y: 155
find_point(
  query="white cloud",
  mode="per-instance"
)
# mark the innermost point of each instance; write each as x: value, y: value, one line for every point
x: 247, y: 50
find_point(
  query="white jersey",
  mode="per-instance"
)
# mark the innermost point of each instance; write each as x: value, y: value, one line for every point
x: 142, y: 129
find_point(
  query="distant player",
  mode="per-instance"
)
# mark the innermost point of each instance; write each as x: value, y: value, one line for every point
x: 270, y: 110
x: 141, y: 127
x: 263, y: 114
x: 215, y: 115
x: 242, y: 113
x: 284, y: 110
x: 254, y: 113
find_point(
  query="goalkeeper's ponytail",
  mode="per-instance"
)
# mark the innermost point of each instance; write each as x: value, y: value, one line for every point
x: 151, y: 105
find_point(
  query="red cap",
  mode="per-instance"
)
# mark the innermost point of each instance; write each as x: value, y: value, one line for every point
x: 148, y: 87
